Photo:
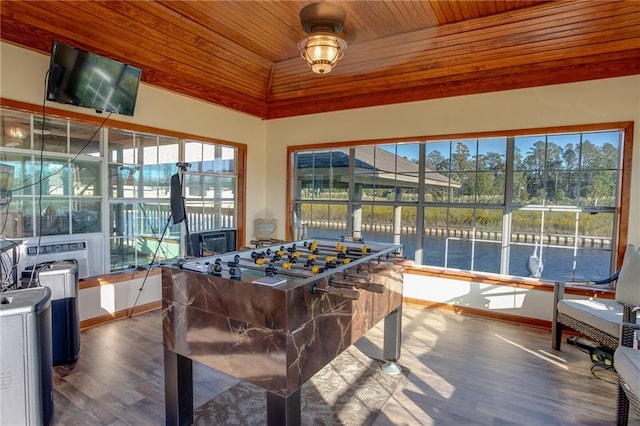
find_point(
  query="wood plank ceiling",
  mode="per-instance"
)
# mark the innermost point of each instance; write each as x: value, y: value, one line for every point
x: 243, y: 54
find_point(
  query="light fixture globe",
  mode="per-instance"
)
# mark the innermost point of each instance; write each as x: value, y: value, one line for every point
x: 322, y: 48
x: 322, y: 51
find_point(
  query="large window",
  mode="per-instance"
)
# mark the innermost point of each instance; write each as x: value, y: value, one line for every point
x: 140, y: 168
x: 541, y: 205
x: 56, y: 176
x: 73, y: 178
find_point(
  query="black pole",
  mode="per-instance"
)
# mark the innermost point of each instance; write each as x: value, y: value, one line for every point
x: 182, y: 168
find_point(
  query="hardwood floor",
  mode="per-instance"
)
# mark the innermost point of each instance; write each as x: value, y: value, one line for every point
x: 464, y: 371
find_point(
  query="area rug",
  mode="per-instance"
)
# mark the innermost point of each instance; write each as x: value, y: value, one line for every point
x: 350, y: 390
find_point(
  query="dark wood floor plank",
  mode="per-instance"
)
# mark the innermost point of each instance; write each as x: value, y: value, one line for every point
x: 464, y: 370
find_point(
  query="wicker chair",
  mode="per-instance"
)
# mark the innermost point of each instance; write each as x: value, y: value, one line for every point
x: 600, y: 319
x: 627, y: 359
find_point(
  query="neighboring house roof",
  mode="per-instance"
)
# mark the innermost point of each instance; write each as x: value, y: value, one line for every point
x: 373, y: 165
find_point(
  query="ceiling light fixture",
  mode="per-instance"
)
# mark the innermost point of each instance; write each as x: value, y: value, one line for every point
x: 17, y: 133
x: 322, y: 48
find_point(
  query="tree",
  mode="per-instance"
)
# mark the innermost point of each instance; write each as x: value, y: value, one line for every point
x: 436, y: 161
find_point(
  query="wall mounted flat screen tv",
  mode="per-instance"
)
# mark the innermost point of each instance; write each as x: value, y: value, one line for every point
x: 84, y: 79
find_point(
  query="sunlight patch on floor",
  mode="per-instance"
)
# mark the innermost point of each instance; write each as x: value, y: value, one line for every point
x: 543, y: 357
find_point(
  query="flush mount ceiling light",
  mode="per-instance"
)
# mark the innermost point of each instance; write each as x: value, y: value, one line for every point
x: 322, y: 48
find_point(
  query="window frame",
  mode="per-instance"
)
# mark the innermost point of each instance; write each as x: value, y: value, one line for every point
x: 73, y: 117
x: 621, y: 211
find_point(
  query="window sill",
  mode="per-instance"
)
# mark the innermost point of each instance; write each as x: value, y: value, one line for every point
x: 116, y: 277
x: 507, y: 281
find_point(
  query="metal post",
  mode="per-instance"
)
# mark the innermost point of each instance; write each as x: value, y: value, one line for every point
x: 283, y: 410
x: 392, y: 341
x: 178, y: 389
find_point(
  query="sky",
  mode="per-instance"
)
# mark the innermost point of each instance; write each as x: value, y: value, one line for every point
x: 410, y: 150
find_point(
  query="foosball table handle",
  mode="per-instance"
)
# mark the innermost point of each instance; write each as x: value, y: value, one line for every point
x: 342, y: 292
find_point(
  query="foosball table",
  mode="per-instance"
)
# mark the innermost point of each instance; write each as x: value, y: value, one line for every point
x: 275, y: 316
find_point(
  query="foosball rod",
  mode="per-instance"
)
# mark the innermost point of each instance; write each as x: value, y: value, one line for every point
x: 287, y: 264
x: 342, y: 292
x: 325, y: 247
x: 334, y: 252
x: 263, y: 269
x: 292, y: 258
x: 363, y: 285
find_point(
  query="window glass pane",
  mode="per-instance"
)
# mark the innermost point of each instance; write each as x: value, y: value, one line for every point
x: 16, y: 130
x: 122, y: 253
x: 168, y: 151
x: 17, y: 219
x: 152, y: 218
x: 598, y: 188
x: 562, y: 187
x: 492, y: 154
x: 407, y: 230
x: 459, y: 247
x: 486, y: 256
x: 128, y: 181
x: 520, y: 192
x: 54, y: 217
x: 377, y: 222
x: 599, y: 150
x: 560, y: 153
x: 339, y: 180
x: 85, y: 215
x: 406, y: 189
x: 466, y: 192
x: 121, y: 216
x: 529, y: 153
x: 52, y: 136
x: 438, y: 187
x: 193, y: 153
x: 438, y: 156
x: 463, y: 155
x: 490, y: 187
x: 531, y: 183
x: 54, y: 179
x: 217, y: 159
x: 365, y: 159
x: 305, y: 181
x: 525, y: 242
x: 149, y: 184
x: 149, y: 148
x: 122, y: 147
x: 324, y: 220
x: 151, y: 249
x: 323, y: 162
x: 228, y: 159
x: 23, y: 172
x: 85, y: 139
x: 486, y: 246
x: 435, y: 233
x: 86, y: 176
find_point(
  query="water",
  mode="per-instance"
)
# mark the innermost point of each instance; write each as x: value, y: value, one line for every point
x: 560, y: 263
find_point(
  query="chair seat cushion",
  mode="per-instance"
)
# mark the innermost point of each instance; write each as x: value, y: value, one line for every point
x: 627, y: 363
x: 603, y: 314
